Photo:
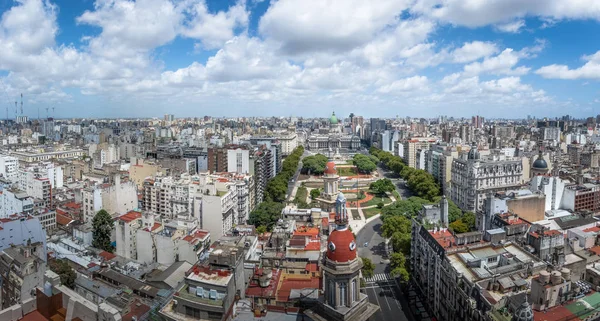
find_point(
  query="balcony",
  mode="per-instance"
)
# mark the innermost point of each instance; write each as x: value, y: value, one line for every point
x: 184, y: 294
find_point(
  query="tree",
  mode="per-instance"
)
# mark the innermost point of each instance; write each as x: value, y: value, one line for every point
x: 401, y: 242
x: 380, y: 205
x: 469, y: 219
x: 266, y: 214
x: 64, y: 270
x: 398, y: 265
x: 314, y: 164
x: 102, y: 226
x: 368, y: 267
x: 261, y: 229
x: 459, y: 226
x: 364, y: 164
x: 382, y: 186
x: 396, y: 166
x: 409, y: 207
x: 395, y: 224
x: 351, y: 117
x: 315, y: 193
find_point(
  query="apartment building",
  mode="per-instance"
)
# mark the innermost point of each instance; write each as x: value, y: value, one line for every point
x: 463, y: 278
x: 210, y: 288
x: 15, y: 201
x: 126, y: 227
x: 117, y: 198
x: 474, y: 176
x: 238, y: 160
x: 9, y: 168
x: 22, y: 269
x: 581, y: 197
x: 412, y: 146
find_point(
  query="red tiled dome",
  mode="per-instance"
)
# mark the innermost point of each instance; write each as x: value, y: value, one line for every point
x: 341, y: 246
x: 330, y: 168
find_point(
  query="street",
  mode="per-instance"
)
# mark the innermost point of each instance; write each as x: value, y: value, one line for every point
x: 381, y: 288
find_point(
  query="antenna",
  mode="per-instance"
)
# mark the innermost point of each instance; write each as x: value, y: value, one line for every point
x: 21, y: 103
x: 16, y: 108
x: 38, y: 112
x: 46, y: 113
x: 53, y: 113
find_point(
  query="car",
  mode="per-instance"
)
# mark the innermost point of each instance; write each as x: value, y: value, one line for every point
x: 367, y: 243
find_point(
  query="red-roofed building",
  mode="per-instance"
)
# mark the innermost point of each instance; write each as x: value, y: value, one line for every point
x: 192, y: 246
x: 126, y: 227
x: 289, y: 283
x: 263, y: 286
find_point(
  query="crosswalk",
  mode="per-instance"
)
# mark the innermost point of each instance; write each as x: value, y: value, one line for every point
x: 380, y: 277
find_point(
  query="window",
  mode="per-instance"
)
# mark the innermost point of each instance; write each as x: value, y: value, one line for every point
x: 192, y: 312
x: 343, y: 294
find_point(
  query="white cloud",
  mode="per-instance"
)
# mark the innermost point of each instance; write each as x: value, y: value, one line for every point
x: 477, y: 13
x: 415, y: 83
x: 501, y: 64
x: 471, y: 51
x: 511, y: 27
x: 590, y: 70
x: 302, y: 26
x: 213, y: 30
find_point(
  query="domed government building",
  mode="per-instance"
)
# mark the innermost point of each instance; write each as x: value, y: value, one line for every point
x: 332, y: 140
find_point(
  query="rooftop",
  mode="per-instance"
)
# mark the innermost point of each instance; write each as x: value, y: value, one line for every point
x: 206, y: 274
x: 130, y: 216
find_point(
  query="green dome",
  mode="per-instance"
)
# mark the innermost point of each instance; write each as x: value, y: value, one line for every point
x: 333, y: 120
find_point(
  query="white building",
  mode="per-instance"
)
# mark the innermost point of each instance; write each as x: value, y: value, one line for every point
x: 116, y: 199
x: 41, y: 170
x: 238, y: 161
x: 289, y: 142
x: 474, y: 176
x: 9, y: 168
x: 126, y: 227
x: 551, y: 186
x: 15, y: 201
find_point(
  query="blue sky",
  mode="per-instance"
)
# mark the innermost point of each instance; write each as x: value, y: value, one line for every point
x: 377, y: 58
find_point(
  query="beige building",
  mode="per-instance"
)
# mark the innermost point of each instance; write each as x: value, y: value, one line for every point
x: 140, y: 170
x: 412, y: 146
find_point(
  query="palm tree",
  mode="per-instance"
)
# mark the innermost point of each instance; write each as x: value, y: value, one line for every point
x: 351, y: 117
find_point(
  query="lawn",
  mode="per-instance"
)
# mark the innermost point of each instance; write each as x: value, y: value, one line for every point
x: 301, y: 195
x: 346, y: 171
x: 370, y: 212
x: 396, y: 195
x: 376, y: 200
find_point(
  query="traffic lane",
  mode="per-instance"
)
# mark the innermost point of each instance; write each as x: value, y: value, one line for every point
x: 385, y: 295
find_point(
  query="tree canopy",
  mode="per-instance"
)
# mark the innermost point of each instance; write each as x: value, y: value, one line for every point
x: 314, y: 164
x: 368, y: 267
x: 382, y: 186
x: 266, y: 214
x: 314, y: 193
x: 364, y: 163
x: 102, y: 226
x: 65, y: 272
x: 276, y: 188
x: 398, y: 265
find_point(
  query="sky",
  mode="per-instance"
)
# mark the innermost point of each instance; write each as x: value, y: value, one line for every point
x: 375, y: 58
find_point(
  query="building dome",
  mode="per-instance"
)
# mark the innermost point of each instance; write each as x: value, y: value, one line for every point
x: 473, y: 153
x: 341, y: 246
x: 333, y: 120
x: 540, y: 163
x: 523, y: 313
x: 341, y: 198
x: 330, y: 168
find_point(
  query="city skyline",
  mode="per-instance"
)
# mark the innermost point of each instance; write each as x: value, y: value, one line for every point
x: 508, y: 59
